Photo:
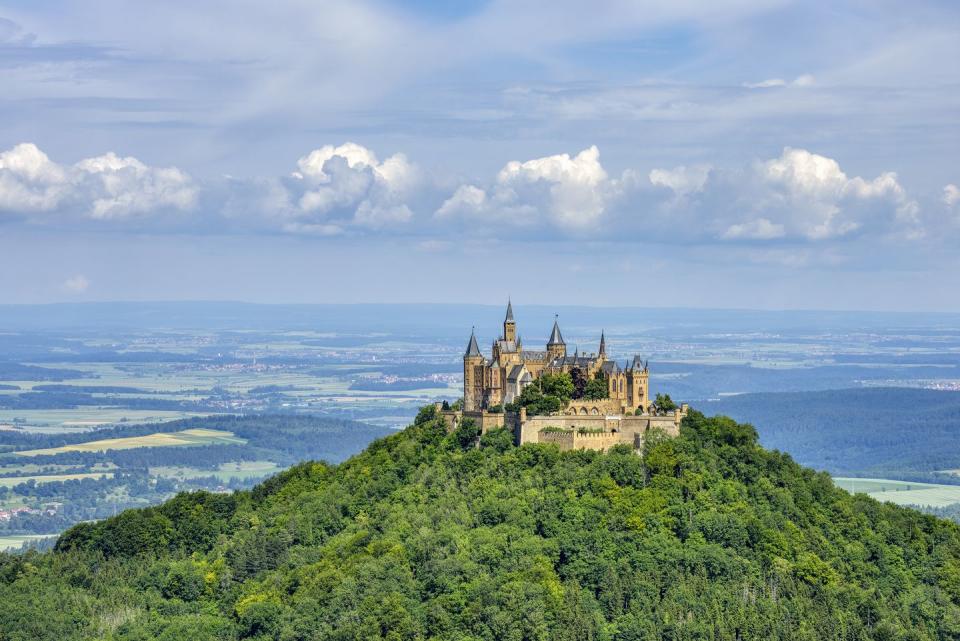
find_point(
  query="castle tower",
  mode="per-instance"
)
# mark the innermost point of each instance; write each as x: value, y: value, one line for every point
x: 638, y: 378
x: 603, y: 345
x: 509, y: 325
x: 556, y: 348
x: 472, y: 375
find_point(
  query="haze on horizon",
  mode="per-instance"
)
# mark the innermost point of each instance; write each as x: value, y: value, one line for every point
x: 767, y: 154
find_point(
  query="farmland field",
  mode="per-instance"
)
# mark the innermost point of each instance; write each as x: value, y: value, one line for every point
x: 158, y: 439
x: 10, y: 481
x: 903, y: 492
x: 80, y: 419
x: 225, y: 472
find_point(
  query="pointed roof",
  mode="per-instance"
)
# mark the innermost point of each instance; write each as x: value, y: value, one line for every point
x: 472, y: 348
x: 509, y: 318
x: 603, y: 342
x: 556, y: 338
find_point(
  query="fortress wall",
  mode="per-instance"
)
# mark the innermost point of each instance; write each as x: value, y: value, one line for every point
x: 583, y: 407
x: 563, y: 440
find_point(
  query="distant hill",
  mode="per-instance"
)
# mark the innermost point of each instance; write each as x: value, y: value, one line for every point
x: 882, y: 432
x: 424, y: 536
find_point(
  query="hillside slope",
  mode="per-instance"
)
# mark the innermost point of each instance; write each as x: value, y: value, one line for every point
x: 423, y: 536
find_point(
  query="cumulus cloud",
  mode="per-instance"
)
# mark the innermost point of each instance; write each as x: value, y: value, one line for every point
x: 570, y: 192
x: 104, y: 187
x: 798, y: 195
x: 349, y: 179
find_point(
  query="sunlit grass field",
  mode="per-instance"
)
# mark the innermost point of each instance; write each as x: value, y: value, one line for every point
x: 10, y: 481
x: 903, y: 492
x: 159, y: 439
x: 225, y: 472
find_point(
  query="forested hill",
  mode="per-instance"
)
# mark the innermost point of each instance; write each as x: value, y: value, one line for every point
x: 424, y: 536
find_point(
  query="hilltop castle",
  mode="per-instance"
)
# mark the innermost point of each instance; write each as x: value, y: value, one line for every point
x: 615, y: 410
x: 499, y: 381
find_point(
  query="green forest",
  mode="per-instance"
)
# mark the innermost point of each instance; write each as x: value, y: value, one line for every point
x: 430, y: 535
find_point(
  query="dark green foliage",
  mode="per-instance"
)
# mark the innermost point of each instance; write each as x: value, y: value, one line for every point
x: 558, y: 385
x: 664, y: 403
x: 596, y: 388
x: 426, y: 537
x: 467, y: 433
x: 537, y: 402
x: 579, y: 379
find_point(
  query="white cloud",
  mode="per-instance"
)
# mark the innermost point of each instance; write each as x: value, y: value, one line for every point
x: 77, y: 284
x: 822, y: 202
x: 29, y: 181
x: 570, y: 192
x: 103, y: 187
x: 349, y: 178
x: 125, y: 186
x: 798, y: 195
x: 951, y: 195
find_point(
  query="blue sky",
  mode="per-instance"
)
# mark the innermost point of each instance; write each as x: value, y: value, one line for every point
x: 734, y: 153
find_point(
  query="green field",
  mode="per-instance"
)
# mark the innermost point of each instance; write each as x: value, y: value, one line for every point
x: 82, y: 419
x: 159, y: 439
x: 14, y: 542
x: 226, y: 471
x: 903, y: 492
x: 10, y: 481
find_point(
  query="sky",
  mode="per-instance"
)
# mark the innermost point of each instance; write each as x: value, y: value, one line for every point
x: 764, y: 154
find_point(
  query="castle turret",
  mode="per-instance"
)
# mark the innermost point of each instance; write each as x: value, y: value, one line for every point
x: 556, y: 348
x: 472, y: 375
x: 638, y: 383
x: 509, y: 325
x: 603, y: 344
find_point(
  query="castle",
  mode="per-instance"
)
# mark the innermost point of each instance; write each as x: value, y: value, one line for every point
x: 623, y: 414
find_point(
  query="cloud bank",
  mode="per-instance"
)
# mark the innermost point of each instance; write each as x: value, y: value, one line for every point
x: 798, y: 197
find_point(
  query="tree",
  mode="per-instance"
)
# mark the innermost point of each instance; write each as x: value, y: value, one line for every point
x: 580, y: 380
x: 467, y: 433
x: 559, y: 385
x: 664, y: 403
x: 596, y: 388
x: 538, y: 403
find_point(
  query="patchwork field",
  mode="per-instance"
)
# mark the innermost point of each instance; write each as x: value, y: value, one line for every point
x: 79, y: 419
x: 10, y: 481
x: 902, y: 492
x: 159, y: 439
x: 225, y: 472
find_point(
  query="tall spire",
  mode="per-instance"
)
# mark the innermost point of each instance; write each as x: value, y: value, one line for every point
x: 509, y: 311
x: 556, y: 338
x: 603, y: 343
x: 472, y: 348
